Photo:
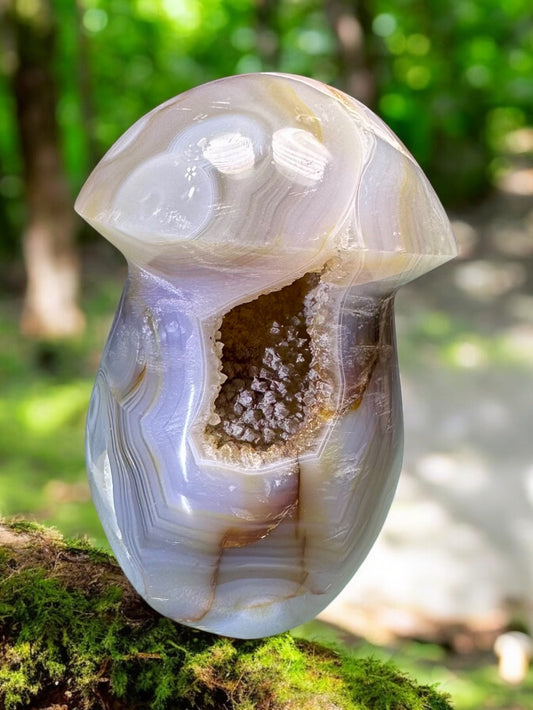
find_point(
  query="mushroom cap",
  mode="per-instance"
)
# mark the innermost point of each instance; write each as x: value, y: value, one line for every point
x: 267, y: 164
x: 511, y: 640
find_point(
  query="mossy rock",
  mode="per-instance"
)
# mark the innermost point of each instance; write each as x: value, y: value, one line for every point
x: 74, y: 634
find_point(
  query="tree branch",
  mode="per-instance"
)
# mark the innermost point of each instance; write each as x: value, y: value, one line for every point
x: 74, y: 634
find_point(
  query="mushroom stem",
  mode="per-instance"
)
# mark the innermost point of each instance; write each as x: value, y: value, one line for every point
x: 514, y: 650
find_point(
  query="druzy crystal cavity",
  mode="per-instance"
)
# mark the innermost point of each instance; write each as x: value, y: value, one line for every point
x: 244, y: 434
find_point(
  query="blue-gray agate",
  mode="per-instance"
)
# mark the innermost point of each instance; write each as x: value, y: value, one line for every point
x: 244, y: 435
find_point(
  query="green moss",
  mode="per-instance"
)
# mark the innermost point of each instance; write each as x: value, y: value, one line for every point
x: 73, y: 632
x: 381, y: 686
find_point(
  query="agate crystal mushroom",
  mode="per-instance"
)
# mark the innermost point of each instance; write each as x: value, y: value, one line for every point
x: 244, y: 435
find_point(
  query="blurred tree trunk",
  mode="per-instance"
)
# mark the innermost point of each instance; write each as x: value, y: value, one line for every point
x: 352, y: 23
x: 50, y: 305
x: 268, y: 36
x: 85, y: 85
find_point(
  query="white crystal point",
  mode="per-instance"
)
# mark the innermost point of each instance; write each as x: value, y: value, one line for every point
x: 244, y: 435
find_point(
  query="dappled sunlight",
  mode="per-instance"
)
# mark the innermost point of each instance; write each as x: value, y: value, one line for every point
x: 486, y: 280
x: 517, y: 182
x: 464, y: 470
x: 44, y: 394
x: 467, y: 354
x: 476, y: 313
x: 432, y: 338
x: 529, y: 484
x: 46, y: 412
x: 186, y: 14
x: 467, y: 237
x: 520, y: 141
x: 56, y: 491
x: 42, y: 468
x: 456, y: 551
x: 518, y: 342
x: 457, y: 545
x: 520, y: 308
x: 470, y: 677
x: 514, y: 240
x: 94, y: 19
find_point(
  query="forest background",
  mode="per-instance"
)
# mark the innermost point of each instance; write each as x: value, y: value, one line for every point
x: 453, y: 78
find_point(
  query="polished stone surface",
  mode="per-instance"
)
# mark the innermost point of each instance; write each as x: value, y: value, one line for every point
x: 244, y: 435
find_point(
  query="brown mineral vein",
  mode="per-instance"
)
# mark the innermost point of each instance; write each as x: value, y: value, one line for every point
x: 212, y: 591
x: 357, y: 390
x: 239, y: 537
x: 136, y: 382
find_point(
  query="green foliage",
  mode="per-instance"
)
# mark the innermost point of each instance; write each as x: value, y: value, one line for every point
x: 453, y: 77
x: 433, y: 336
x: 44, y: 393
x: 385, y: 687
x: 142, y: 53
x: 472, y: 680
x: 69, y: 623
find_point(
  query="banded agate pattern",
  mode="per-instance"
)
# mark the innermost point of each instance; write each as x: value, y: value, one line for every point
x: 244, y: 435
